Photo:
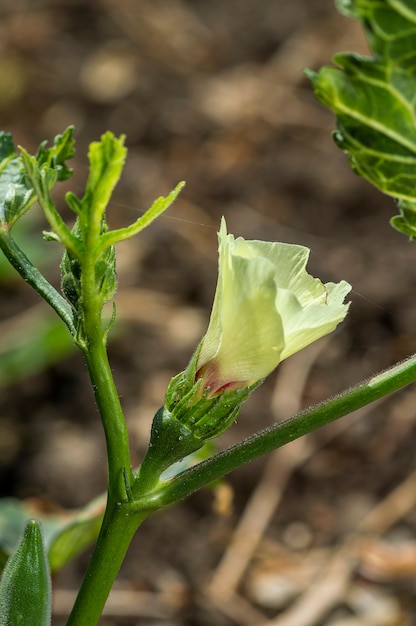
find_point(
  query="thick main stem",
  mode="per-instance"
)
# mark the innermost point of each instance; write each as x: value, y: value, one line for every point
x: 117, y: 530
x: 94, y: 347
x: 119, y: 523
x: 112, y: 417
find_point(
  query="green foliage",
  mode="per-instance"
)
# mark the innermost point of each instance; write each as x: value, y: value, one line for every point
x: 88, y: 268
x: 66, y: 534
x: 25, y: 587
x: 159, y: 206
x: 106, y: 158
x: 94, y: 243
x: 54, y: 159
x: 17, y: 192
x: 87, y: 263
x: 374, y: 99
x: 31, y: 343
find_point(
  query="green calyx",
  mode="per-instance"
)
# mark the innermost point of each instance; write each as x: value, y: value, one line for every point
x: 189, y: 418
x: 190, y: 403
x: 206, y: 416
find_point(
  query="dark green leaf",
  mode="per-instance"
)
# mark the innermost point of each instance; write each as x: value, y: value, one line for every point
x: 374, y: 100
x: 7, y: 149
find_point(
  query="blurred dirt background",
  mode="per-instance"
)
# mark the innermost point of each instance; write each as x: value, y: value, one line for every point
x: 321, y: 533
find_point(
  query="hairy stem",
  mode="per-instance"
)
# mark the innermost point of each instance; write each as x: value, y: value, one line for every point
x: 112, y: 417
x: 379, y: 385
x: 120, y: 522
x: 94, y: 347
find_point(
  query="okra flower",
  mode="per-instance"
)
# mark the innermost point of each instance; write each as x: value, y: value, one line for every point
x: 266, y: 308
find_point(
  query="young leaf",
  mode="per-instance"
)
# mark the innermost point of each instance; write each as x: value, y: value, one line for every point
x: 55, y: 158
x: 25, y: 587
x: 106, y: 158
x: 374, y: 101
x: 17, y: 191
x: 160, y: 205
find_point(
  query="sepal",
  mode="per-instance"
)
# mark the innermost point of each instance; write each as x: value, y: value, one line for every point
x: 170, y: 441
x: 104, y: 271
x: 208, y: 416
x: 71, y: 279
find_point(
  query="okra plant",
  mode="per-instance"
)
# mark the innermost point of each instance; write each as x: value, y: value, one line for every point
x: 266, y: 307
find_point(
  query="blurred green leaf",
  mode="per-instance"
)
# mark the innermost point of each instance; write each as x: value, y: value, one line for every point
x: 7, y: 149
x: 374, y: 101
x: 66, y: 533
x: 26, y: 237
x: 31, y: 342
x: 75, y: 533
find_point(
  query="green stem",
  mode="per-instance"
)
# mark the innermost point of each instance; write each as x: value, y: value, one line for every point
x: 120, y: 522
x: 217, y: 466
x: 118, y: 528
x: 93, y: 344
x: 112, y: 417
x: 35, y: 279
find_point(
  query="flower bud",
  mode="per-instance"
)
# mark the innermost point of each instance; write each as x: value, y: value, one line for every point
x: 266, y: 308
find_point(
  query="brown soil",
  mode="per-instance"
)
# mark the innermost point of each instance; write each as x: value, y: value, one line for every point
x: 323, y: 532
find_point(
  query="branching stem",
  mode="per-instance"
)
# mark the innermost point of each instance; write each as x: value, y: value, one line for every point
x: 217, y: 466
